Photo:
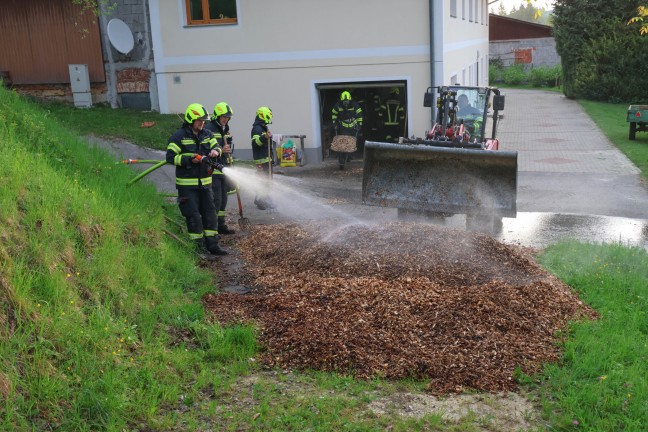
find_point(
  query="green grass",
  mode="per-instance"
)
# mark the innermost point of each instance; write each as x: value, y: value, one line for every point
x: 601, y: 383
x: 102, y: 325
x: 97, y: 304
x: 611, y: 119
x: 116, y: 123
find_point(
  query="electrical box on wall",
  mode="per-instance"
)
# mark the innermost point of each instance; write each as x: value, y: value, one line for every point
x: 80, y: 84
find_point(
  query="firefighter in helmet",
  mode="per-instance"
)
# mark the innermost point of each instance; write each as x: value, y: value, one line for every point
x: 190, y: 149
x: 261, y: 152
x: 221, y: 185
x: 391, y: 116
x: 346, y: 115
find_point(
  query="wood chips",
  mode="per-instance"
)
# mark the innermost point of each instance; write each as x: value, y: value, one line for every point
x: 456, y: 308
x: 344, y: 144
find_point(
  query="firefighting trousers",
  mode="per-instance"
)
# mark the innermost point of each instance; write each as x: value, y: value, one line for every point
x: 220, y: 187
x: 197, y: 207
x: 263, y: 188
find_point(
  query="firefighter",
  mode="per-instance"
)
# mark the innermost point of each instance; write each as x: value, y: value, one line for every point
x: 346, y: 115
x: 464, y: 107
x: 391, y: 116
x: 261, y: 142
x: 188, y: 149
x: 221, y: 185
x: 469, y: 115
x: 370, y: 108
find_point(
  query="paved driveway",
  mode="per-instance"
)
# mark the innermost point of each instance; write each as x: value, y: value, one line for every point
x: 565, y: 162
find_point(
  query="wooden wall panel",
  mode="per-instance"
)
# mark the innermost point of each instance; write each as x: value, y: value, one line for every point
x: 41, y: 38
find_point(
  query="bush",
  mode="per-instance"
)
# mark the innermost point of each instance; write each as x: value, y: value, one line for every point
x: 601, y: 55
x: 546, y: 76
x: 495, y: 68
x: 514, y: 75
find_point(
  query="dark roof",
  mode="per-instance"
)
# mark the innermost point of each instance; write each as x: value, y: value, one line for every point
x: 505, y: 28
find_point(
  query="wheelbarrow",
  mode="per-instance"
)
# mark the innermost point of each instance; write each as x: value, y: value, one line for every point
x: 344, y: 145
x: 638, y: 119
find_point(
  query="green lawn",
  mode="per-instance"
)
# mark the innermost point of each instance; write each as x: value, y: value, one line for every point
x: 611, y: 118
x: 128, y: 124
x: 102, y: 325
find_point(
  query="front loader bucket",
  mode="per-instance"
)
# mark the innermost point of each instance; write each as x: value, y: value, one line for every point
x: 440, y: 179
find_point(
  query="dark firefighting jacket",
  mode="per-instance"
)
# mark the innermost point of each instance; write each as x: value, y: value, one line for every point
x: 260, y: 151
x: 182, y: 147
x: 222, y: 136
x: 348, y: 117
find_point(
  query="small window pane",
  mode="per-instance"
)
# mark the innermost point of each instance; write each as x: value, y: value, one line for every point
x: 221, y: 9
x: 196, y: 10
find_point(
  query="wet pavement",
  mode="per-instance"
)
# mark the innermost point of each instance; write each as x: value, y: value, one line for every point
x: 572, y: 182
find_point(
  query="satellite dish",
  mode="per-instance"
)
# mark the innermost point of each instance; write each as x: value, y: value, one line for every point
x: 120, y: 36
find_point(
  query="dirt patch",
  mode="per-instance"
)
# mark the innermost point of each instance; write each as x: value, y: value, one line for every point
x: 478, y: 412
x: 399, y: 300
x: 501, y: 412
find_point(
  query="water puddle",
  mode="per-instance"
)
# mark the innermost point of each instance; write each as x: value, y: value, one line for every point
x: 542, y: 229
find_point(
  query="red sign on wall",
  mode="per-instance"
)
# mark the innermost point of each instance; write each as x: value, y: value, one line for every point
x: 523, y: 56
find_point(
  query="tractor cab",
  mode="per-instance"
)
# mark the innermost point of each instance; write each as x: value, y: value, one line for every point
x: 462, y: 112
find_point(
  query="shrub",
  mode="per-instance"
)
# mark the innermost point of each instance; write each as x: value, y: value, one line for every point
x: 546, y: 76
x: 495, y: 68
x: 514, y: 75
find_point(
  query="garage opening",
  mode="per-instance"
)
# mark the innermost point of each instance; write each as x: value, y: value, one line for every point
x: 384, y: 111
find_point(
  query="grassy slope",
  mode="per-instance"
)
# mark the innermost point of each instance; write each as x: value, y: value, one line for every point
x: 93, y: 294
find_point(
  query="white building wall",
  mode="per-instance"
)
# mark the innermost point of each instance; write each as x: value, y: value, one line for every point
x: 278, y: 52
x: 466, y: 43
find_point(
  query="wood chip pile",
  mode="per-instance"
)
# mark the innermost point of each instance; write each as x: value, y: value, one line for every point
x: 344, y: 144
x: 459, y: 309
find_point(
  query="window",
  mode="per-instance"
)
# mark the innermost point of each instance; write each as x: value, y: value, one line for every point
x: 211, y: 12
x: 453, y: 8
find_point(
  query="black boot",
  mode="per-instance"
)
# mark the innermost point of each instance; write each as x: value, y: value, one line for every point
x: 202, y: 251
x: 260, y: 203
x: 212, y: 246
x: 217, y: 250
x: 223, y: 229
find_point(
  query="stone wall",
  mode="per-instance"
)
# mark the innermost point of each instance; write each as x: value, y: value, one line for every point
x: 539, y: 52
x: 130, y: 78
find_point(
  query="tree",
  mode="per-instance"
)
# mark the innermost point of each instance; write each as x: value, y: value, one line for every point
x: 528, y: 12
x: 96, y: 6
x: 601, y: 55
x: 641, y: 19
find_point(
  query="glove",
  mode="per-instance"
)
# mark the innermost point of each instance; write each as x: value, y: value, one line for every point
x: 197, y: 158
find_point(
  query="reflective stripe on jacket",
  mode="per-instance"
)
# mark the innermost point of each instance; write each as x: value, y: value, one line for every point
x: 260, y: 151
x: 347, y: 116
x: 182, y: 145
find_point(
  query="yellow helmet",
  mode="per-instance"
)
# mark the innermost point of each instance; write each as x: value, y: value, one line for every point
x: 345, y: 96
x: 265, y: 114
x: 223, y: 109
x: 195, y: 111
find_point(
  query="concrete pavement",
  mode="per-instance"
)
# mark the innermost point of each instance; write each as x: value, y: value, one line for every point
x: 565, y: 162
